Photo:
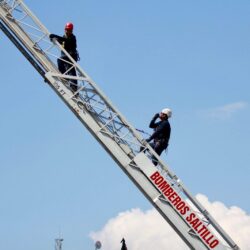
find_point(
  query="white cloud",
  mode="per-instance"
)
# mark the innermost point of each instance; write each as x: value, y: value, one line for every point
x: 226, y: 111
x: 148, y: 230
x: 233, y: 220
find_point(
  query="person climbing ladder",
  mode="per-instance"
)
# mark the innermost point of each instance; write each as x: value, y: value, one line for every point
x: 69, y: 43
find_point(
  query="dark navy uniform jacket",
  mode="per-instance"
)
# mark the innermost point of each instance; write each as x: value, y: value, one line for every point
x: 162, y: 131
x: 68, y: 42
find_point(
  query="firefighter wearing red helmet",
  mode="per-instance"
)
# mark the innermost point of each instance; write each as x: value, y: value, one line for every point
x: 68, y: 41
x: 69, y: 26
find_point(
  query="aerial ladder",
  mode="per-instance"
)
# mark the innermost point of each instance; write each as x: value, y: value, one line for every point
x: 191, y: 221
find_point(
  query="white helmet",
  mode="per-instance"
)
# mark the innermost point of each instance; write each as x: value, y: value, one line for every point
x: 167, y: 112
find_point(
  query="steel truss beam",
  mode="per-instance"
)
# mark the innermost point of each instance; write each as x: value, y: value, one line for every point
x: 124, y: 144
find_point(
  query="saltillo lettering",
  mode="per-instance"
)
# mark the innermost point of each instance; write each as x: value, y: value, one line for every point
x: 184, y: 209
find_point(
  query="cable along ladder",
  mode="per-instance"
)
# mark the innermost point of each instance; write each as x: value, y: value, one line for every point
x: 159, y: 184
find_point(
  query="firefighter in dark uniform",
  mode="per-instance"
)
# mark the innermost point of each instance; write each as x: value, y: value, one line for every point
x: 162, y: 130
x: 68, y: 41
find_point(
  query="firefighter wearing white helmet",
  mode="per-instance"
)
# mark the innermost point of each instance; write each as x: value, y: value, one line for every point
x: 167, y: 112
x: 162, y: 130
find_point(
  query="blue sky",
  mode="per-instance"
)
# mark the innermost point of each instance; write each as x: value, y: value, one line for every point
x: 191, y: 56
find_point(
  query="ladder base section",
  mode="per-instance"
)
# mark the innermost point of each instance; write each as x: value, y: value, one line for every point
x: 175, y: 209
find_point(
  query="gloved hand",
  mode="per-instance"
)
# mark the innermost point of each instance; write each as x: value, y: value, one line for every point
x: 51, y: 36
x: 148, y: 140
x: 156, y: 115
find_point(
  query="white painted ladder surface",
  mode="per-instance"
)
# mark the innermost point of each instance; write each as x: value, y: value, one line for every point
x: 159, y: 184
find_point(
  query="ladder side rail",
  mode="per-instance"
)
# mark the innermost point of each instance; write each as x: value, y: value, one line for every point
x: 164, y: 188
x: 19, y: 29
x: 22, y: 50
x: 199, y: 208
x: 22, y: 36
x: 211, y: 220
x: 34, y: 18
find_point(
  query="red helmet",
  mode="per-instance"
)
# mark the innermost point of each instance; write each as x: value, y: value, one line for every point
x: 69, y: 26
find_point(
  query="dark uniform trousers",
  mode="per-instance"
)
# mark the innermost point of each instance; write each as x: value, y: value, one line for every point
x: 158, y: 147
x: 64, y: 66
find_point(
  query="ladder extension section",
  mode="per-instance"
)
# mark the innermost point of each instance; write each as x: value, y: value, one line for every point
x: 159, y: 184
